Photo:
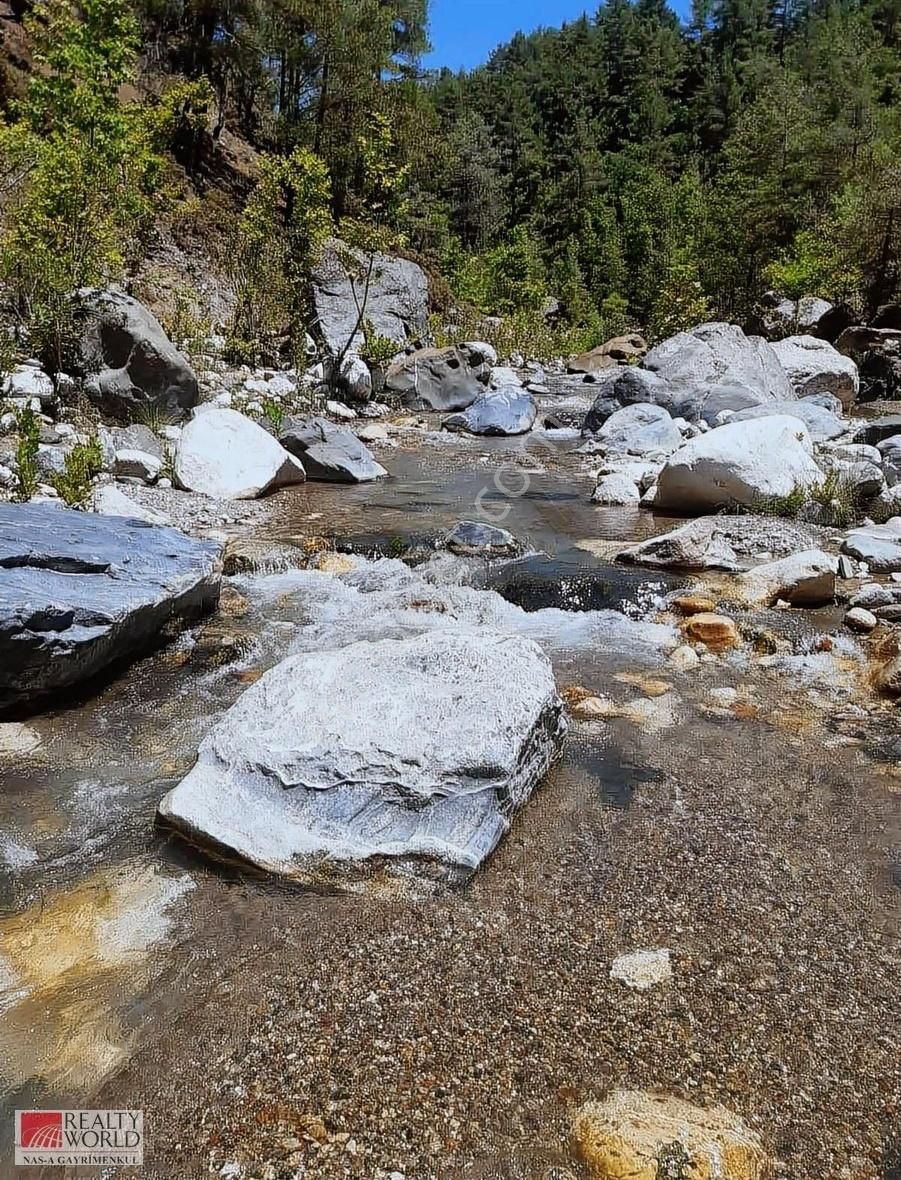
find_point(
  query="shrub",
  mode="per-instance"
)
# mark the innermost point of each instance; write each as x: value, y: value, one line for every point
x: 29, y: 429
x: 82, y: 463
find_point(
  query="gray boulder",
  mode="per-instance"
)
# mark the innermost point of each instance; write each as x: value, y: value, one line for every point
x: 719, y: 354
x: 135, y: 438
x: 877, y: 430
x: 441, y: 378
x: 814, y: 366
x: 437, y: 742
x: 878, y: 545
x: 640, y: 430
x: 471, y: 538
x: 394, y: 297
x: 129, y: 364
x: 722, y: 542
x: 505, y: 412
x: 329, y: 452
x: 821, y: 424
x: 79, y: 591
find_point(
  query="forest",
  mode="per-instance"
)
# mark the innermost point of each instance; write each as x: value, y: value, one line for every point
x: 625, y: 170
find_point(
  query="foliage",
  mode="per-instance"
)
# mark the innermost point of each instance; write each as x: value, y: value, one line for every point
x: 29, y: 429
x: 187, y: 326
x: 274, y: 413
x: 80, y: 170
x: 835, y: 500
x: 378, y: 351
x: 82, y: 464
x: 284, y: 223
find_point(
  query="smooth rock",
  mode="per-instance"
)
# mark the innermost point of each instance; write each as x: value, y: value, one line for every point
x: 693, y: 604
x: 79, y: 591
x: 878, y: 545
x: 506, y: 412
x: 859, y: 619
x: 741, y: 464
x: 698, y: 545
x: 888, y: 678
x: 471, y: 538
x: 821, y: 424
x: 438, y: 741
x: 18, y: 740
x: 717, y: 632
x: 621, y: 350
x: 683, y: 659
x: 616, y: 490
x: 329, y: 452
x: 628, y: 1135
x: 640, y: 430
x: 226, y: 456
x: 27, y: 382
x: 137, y: 465
x: 719, y: 354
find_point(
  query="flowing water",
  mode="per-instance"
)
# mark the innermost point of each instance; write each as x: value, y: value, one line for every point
x: 112, y: 932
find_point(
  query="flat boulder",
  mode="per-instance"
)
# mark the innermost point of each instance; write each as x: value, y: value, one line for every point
x: 226, y: 456
x: 415, y: 752
x: 814, y: 366
x: 80, y: 591
x: 822, y: 424
x: 636, y: 1135
x: 879, y: 545
x: 329, y: 452
x: 396, y: 293
x: 725, y: 541
x: 742, y: 464
x: 507, y: 411
x: 473, y: 538
x: 129, y: 364
x: 441, y: 378
x: 621, y: 350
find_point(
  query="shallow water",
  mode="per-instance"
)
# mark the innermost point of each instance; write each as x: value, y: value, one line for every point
x: 104, y: 917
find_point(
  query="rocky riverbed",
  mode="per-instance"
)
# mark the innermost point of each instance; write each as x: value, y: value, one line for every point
x: 737, y: 809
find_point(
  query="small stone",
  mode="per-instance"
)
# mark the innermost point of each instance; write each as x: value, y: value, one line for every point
x: 340, y: 410
x: 888, y: 678
x: 642, y: 970
x: 683, y: 658
x: 694, y: 604
x: 859, y: 619
x: 717, y: 632
x: 594, y: 708
x: 18, y: 740
x: 845, y: 567
x: 335, y: 564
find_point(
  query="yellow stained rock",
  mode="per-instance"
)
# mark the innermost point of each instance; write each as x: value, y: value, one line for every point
x: 623, y: 1137
x: 716, y: 631
x: 335, y: 563
x: 694, y: 604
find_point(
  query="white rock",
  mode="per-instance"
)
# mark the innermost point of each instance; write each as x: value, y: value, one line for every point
x: 741, y: 463
x: 340, y: 410
x: 7, y: 477
x: 18, y: 740
x: 642, y: 970
x: 803, y: 579
x: 29, y: 383
x: 859, y: 619
x: 356, y: 379
x: 814, y: 366
x: 616, y: 490
x: 640, y: 429
x: 433, y: 768
x: 683, y: 659
x: 227, y: 456
x: 223, y: 399
x: 110, y: 500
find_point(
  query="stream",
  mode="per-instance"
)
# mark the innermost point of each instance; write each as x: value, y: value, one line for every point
x: 743, y: 814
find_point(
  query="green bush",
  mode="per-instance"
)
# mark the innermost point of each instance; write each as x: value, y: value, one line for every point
x: 29, y: 429
x: 82, y: 463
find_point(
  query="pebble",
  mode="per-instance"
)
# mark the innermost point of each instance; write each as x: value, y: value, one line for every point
x: 18, y: 740
x: 716, y: 631
x: 683, y: 658
x: 859, y: 619
x: 643, y: 969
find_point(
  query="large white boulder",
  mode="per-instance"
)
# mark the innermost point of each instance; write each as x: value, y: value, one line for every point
x: 227, y: 456
x: 415, y: 750
x: 742, y: 463
x: 640, y: 430
x: 814, y: 366
x: 719, y: 354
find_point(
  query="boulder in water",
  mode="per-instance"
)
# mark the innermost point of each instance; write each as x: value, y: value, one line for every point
x: 79, y: 591
x: 329, y: 452
x: 414, y: 751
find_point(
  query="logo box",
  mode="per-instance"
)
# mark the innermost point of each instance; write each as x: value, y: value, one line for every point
x: 79, y: 1137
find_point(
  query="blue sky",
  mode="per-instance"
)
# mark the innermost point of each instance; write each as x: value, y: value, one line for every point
x: 464, y: 32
